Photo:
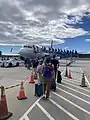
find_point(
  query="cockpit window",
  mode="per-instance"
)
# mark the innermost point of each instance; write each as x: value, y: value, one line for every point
x: 29, y: 47
x: 26, y: 46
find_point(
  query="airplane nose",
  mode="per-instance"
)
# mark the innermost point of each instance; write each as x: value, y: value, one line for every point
x: 25, y: 52
x: 21, y: 51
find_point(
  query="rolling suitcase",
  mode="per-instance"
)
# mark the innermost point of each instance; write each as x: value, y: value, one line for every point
x: 38, y: 89
x: 53, y: 85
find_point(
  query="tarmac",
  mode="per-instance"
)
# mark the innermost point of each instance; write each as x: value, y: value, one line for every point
x: 69, y: 102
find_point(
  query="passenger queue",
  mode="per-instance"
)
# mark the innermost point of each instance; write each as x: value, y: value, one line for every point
x: 46, y: 70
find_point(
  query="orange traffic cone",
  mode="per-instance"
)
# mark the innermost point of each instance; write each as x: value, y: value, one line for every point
x: 31, y: 78
x: 21, y: 93
x: 83, y: 84
x: 4, y: 114
x: 70, y: 76
x: 66, y: 73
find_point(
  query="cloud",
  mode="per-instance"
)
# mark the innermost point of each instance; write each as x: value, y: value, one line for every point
x: 40, y: 21
x: 87, y: 40
x: 3, y: 44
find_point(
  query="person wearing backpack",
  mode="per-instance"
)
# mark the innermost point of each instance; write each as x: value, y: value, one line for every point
x: 47, y: 76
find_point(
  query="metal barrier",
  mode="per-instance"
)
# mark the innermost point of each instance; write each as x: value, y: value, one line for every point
x: 13, y: 86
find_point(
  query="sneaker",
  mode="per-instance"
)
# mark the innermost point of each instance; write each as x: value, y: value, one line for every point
x: 44, y: 98
x: 47, y: 98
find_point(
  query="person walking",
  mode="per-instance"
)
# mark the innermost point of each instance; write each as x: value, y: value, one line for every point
x: 39, y: 71
x: 34, y: 65
x: 47, y: 76
x: 55, y: 63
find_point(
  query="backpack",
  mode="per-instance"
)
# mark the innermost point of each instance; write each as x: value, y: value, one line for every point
x: 47, y: 71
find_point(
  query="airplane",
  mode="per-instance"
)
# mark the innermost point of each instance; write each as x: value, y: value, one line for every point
x: 29, y: 51
x: 36, y: 51
x: 32, y: 51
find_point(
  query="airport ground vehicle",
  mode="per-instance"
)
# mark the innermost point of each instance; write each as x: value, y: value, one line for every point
x: 13, y: 62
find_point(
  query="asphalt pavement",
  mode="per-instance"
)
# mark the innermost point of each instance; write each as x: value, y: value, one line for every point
x: 69, y: 102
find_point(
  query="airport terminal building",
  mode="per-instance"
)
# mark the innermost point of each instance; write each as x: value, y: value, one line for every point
x: 84, y: 55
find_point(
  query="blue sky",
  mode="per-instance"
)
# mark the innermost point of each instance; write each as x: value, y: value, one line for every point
x: 80, y: 43
x: 67, y: 23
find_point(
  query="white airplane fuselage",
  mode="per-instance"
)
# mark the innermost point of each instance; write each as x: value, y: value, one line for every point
x: 31, y: 54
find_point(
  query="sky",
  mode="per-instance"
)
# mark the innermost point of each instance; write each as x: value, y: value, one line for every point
x: 66, y: 22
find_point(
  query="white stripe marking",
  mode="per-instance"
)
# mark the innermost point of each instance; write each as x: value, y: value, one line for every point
x: 72, y: 103
x: 29, y: 110
x: 85, y: 78
x: 81, y: 70
x: 74, y: 95
x: 77, y: 72
x: 87, y: 81
x: 65, y: 111
x: 62, y: 72
x: 76, y: 86
x: 26, y: 118
x: 78, y: 81
x: 74, y: 90
x: 45, y: 112
x: 70, y: 81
